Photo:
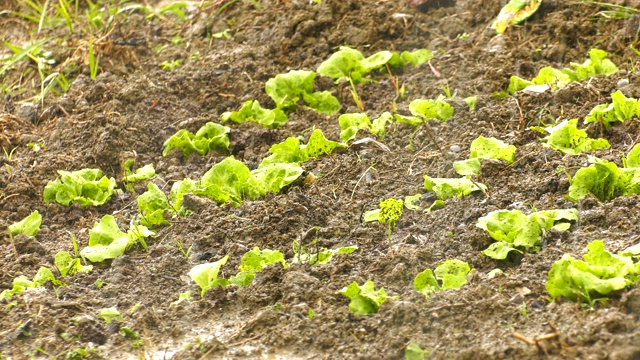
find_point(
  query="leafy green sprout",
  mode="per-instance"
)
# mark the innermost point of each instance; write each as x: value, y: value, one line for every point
x: 8, y: 156
x: 170, y: 65
x: 613, y: 12
x: 182, y: 248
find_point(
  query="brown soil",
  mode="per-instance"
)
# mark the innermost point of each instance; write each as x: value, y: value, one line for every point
x: 134, y: 106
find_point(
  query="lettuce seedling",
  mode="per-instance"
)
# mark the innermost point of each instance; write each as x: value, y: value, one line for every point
x: 451, y: 273
x: 446, y: 188
x: 413, y: 351
x: 364, y: 299
x: 568, y: 139
x: 110, y: 314
x: 142, y: 174
x: 351, y: 123
x: 86, y: 187
x: 321, y: 256
x: 271, y: 178
x: 620, y: 109
x: 599, y: 274
x: 287, y: 89
x: 28, y: 226
x: 389, y: 212
x: 67, y: 265
x: 554, y: 78
x: 206, y: 275
x: 349, y: 64
x: 209, y: 137
x: 604, y: 180
x: 254, y: 261
x: 485, y: 148
x: 432, y: 109
x: 224, y: 182
x: 107, y: 241
x: 291, y: 151
x: 514, y: 230
x: 152, y: 205
x: 22, y: 283
x: 251, y: 111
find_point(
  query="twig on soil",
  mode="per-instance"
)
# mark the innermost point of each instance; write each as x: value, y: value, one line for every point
x: 435, y: 72
x: 538, y: 340
x: 433, y: 138
x: 359, y: 180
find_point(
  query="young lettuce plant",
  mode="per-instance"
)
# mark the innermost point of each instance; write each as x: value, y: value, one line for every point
x: 514, y: 230
x: 152, y: 205
x: 291, y: 151
x: 484, y: 148
x: 447, y: 188
x: 431, y: 109
x: 107, y: 241
x: 620, y: 109
x: 68, y: 265
x: 254, y: 261
x: 597, y: 64
x: 206, y: 275
x: 599, y: 274
x: 141, y: 174
x: 451, y: 273
x: 209, y: 137
x: 302, y: 255
x: 22, y: 283
x: 604, y: 180
x: 389, y: 212
x: 286, y: 90
x: 351, y: 123
x: 252, y: 111
x: 28, y: 226
x: 568, y: 139
x: 86, y: 187
x: 365, y: 299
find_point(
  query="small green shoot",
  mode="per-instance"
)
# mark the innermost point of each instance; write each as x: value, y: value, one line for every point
x: 452, y: 274
x: 170, y: 65
x: 302, y: 254
x: 86, y: 187
x: 414, y: 352
x: 471, y: 101
x: 365, y: 299
x: 254, y: 261
x: 152, y: 205
x: 68, y: 265
x: 206, y: 275
x: 22, y: 283
x: 107, y: 241
x: 485, y: 148
x: 389, y: 212
x: 110, y: 314
x: 252, y: 111
x: 446, y: 188
x: 142, y: 174
x: 432, y: 109
x: 210, y: 136
x: 185, y: 296
x: 28, y: 226
x: 514, y: 230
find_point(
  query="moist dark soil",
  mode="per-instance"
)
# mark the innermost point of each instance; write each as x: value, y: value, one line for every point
x: 134, y: 105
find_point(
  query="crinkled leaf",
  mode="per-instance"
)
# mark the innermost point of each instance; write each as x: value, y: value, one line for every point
x: 514, y: 12
x: 351, y: 123
x: 251, y: 111
x: 225, y: 181
x: 271, y: 177
x: 179, y: 190
x: 343, y: 64
x: 620, y: 109
x: 448, y: 188
x: 432, y: 109
x: 322, y: 101
x: 364, y: 299
x: 601, y: 180
x: 376, y: 61
x: 286, y: 89
x: 152, y: 205
x: 512, y: 227
x: 568, y: 139
x: 414, y: 352
x: 417, y: 57
x: 68, y: 265
x: 28, y: 226
x: 86, y: 187
x: 468, y: 167
x: 209, y: 137
x: 319, y: 145
x: 110, y: 314
x: 499, y: 250
x: 426, y: 283
x: 206, y: 275
x: 412, y: 202
x: 632, y: 160
x: 452, y: 274
x: 378, y: 126
x: 411, y: 120
x: 144, y: 173
x: 288, y: 151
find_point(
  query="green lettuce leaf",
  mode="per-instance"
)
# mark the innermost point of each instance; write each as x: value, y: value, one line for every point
x: 484, y: 148
x: 620, y: 109
x: 254, y: 261
x: 365, y: 299
x: 209, y: 137
x: 351, y: 123
x: 449, y: 188
x: 152, y: 205
x: 318, y: 256
x: 22, y: 283
x: 251, y: 111
x: 142, y: 174
x: 568, y: 139
x: 432, y: 109
x: 225, y: 181
x: 271, y: 178
x: 342, y: 65
x: 67, y: 265
x: 28, y: 226
x: 86, y: 187
x: 107, y: 241
x: 451, y: 273
x: 206, y: 275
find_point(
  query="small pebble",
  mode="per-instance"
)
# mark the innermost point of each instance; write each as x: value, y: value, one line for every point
x: 455, y: 148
